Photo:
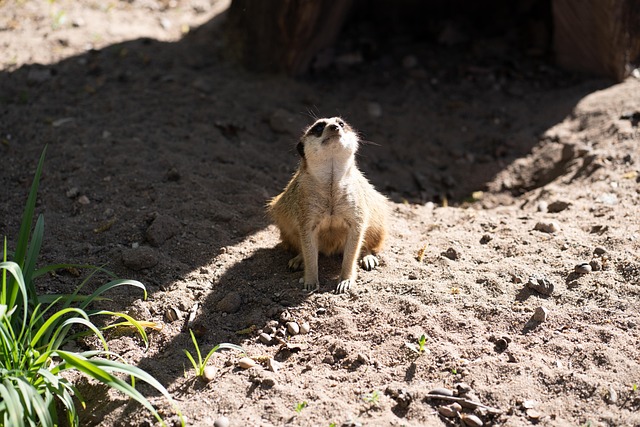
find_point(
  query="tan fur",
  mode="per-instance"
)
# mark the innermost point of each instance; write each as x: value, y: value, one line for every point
x: 329, y: 207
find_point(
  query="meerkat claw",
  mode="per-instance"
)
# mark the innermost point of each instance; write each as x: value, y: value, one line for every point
x: 369, y: 262
x: 311, y: 287
x: 296, y: 263
x: 343, y: 286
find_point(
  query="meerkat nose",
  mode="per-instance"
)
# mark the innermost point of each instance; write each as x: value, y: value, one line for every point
x: 333, y: 127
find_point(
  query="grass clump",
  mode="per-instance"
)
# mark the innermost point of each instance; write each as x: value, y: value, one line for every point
x: 201, y: 364
x: 35, y: 328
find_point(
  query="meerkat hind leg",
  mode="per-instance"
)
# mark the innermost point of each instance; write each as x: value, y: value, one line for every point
x: 296, y: 263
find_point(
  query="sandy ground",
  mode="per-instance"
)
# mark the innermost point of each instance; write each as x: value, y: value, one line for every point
x: 161, y: 157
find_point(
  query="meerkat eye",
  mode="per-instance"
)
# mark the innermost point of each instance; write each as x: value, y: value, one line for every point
x: 340, y: 123
x: 317, y: 129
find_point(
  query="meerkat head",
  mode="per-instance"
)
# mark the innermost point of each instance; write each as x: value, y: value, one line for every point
x: 328, y: 138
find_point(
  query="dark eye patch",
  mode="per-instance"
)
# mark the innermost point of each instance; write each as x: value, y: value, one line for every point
x: 317, y: 129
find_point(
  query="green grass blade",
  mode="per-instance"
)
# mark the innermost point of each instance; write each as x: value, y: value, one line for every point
x: 130, y: 320
x: 27, y: 217
x: 195, y: 344
x: 14, y: 414
x: 100, y: 369
x: 32, y: 256
x: 192, y: 360
x: 49, y: 326
x: 110, y: 285
x: 37, y: 404
x: 222, y: 347
x: 18, y: 286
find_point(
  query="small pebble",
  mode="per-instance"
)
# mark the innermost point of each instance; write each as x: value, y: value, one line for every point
x: 596, y: 265
x: 273, y: 365
x: 172, y: 314
x: 230, y: 303
x: 305, y: 328
x: 265, y: 338
x: 612, y: 396
x: 321, y: 311
x: 533, y: 414
x: 529, y: 404
x: 486, y: 238
x: 583, y: 268
x: 447, y: 411
x: 541, y: 285
x: 558, y: 206
x: 463, y: 388
x: 599, y: 250
x: 221, y: 422
x: 83, y: 200
x: 547, y: 227
x: 541, y: 314
x: 441, y: 391
x: 501, y: 344
x: 246, y: 363
x: 209, y: 372
x: 471, y: 420
x: 293, y: 328
x: 73, y: 192
x: 451, y: 253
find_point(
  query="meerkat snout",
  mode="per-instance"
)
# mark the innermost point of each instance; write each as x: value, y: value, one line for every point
x: 329, y: 207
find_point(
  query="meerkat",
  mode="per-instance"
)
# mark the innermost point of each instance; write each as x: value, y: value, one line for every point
x: 329, y: 207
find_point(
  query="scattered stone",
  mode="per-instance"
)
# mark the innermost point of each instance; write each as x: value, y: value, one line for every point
x: 501, y: 344
x: 73, y: 192
x: 583, y: 268
x: 596, y: 265
x: 265, y: 338
x: 172, y: 314
x: 305, y: 328
x: 246, y: 363
x: 451, y: 253
x: 541, y: 285
x: 558, y: 206
x: 84, y: 200
x: 173, y: 175
x: 533, y: 414
x: 321, y: 311
x: 608, y: 199
x: 542, y: 206
x: 611, y: 396
x: 230, y: 303
x: 273, y: 365
x: 540, y: 314
x: 547, y: 227
x: 447, y: 411
x: 293, y: 328
x: 221, y: 422
x: 209, y: 373
x: 471, y: 420
x: 599, y: 250
x: 162, y: 229
x: 529, y: 404
x: 139, y: 258
x: 441, y: 391
x: 485, y: 239
x: 463, y: 388
x: 285, y: 317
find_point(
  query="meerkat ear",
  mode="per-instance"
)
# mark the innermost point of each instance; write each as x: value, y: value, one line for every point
x: 300, y: 148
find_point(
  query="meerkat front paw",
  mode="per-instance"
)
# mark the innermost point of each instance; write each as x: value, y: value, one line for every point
x: 309, y: 286
x: 296, y: 263
x: 369, y: 262
x: 344, y: 286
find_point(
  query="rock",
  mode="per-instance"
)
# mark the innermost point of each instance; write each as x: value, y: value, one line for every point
x: 441, y: 391
x: 84, y: 200
x: 463, y: 388
x: 447, y: 411
x: 542, y: 206
x: 583, y: 268
x: 540, y: 314
x: 599, y: 250
x: 533, y: 414
x: 557, y: 206
x: 293, y: 328
x: 265, y: 338
x: 451, y: 253
x: 595, y: 265
x: 608, y: 199
x: 139, y: 258
x: 541, y: 285
x: 305, y: 328
x: 230, y: 303
x: 209, y: 373
x: 486, y: 238
x: 547, y: 227
x: 273, y: 365
x: 471, y: 420
x: 162, y: 229
x: 529, y: 404
x: 221, y: 422
x: 501, y: 345
x: 246, y: 363
x: 73, y: 192
x: 611, y: 396
x: 172, y: 314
